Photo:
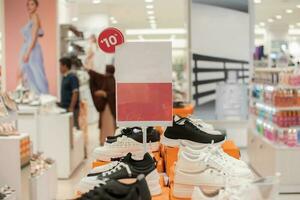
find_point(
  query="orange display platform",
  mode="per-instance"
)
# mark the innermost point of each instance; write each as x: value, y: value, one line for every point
x: 170, y: 156
x: 231, y: 149
x: 185, y: 111
x: 164, y: 196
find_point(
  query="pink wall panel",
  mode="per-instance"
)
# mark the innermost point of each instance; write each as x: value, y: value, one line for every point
x: 15, y: 18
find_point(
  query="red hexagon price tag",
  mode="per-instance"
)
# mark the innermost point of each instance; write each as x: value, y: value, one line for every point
x: 109, y: 39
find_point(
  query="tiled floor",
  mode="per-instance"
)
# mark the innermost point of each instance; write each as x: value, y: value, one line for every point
x: 66, y: 188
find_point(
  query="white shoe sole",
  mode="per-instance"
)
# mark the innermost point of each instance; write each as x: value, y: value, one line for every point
x: 182, y: 191
x: 152, y: 180
x: 206, y: 179
x: 176, y: 142
x: 106, y: 154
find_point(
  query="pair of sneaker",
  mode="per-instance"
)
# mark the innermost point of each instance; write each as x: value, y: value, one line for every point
x: 128, y: 140
x: 208, y: 166
x: 116, y: 190
x: 127, y: 169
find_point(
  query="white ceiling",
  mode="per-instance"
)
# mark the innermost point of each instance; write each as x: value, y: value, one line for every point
x: 268, y: 9
x: 132, y: 14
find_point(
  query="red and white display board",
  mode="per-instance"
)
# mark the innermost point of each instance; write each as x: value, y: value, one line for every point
x: 144, y: 84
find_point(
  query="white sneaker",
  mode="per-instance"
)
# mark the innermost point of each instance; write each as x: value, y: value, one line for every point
x: 124, y: 145
x: 197, y: 149
x: 201, y: 123
x: 209, y: 169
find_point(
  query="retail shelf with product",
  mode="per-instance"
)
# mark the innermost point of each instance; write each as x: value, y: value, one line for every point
x: 274, y: 131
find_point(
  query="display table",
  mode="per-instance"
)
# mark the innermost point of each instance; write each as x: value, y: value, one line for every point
x: 10, y: 162
x: 58, y: 141
x: 185, y: 111
x: 44, y: 186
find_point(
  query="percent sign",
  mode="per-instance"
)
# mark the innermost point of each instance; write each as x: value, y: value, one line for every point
x: 109, y: 39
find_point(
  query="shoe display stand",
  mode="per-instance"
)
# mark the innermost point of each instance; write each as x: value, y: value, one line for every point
x: 273, y: 149
x: 44, y: 186
x: 185, y: 111
x: 60, y: 141
x: 10, y: 159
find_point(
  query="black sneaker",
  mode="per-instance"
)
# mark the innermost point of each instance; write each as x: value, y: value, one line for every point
x: 127, y: 168
x: 187, y: 129
x: 136, y: 133
x: 131, y: 141
x: 115, y: 190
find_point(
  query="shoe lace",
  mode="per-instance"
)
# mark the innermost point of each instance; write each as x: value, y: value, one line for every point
x: 122, y: 141
x: 118, y: 167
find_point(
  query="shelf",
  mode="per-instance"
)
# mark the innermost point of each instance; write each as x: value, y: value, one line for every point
x: 274, y: 70
x: 268, y: 107
x: 271, y: 87
x: 275, y: 126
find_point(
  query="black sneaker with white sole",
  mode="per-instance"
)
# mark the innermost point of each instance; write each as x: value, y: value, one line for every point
x: 136, y: 133
x: 115, y: 190
x: 126, y: 169
x: 186, y: 129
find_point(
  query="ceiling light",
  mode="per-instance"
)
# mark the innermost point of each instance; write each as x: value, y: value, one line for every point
x: 270, y: 20
x: 167, y: 31
x: 150, y: 12
x: 278, y: 17
x: 262, y: 24
x: 298, y: 6
x: 257, y: 1
x: 291, y: 26
x: 149, y: 6
x: 96, y: 1
x: 289, y: 11
x: 151, y: 17
x: 75, y: 19
x: 112, y: 18
x: 114, y: 21
x: 148, y: 1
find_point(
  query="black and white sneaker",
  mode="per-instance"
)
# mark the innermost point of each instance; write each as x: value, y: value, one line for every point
x: 192, y: 131
x: 131, y: 140
x: 126, y: 169
x: 114, y: 190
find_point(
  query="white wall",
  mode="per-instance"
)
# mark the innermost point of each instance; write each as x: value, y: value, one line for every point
x: 220, y: 32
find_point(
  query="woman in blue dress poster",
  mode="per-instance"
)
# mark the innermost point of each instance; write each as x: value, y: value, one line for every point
x: 32, y: 62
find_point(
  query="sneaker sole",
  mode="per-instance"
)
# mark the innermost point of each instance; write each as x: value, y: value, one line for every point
x: 121, y: 152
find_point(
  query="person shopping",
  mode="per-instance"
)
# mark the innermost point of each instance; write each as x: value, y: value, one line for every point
x: 32, y: 63
x: 69, y: 89
x: 104, y: 97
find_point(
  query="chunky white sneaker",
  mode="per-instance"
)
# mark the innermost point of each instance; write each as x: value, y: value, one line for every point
x: 130, y: 142
x: 209, y: 169
x: 197, y: 149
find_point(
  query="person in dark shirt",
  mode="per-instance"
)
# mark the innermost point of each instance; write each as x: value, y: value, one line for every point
x: 69, y: 89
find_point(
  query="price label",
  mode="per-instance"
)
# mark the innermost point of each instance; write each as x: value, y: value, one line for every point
x: 109, y: 39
